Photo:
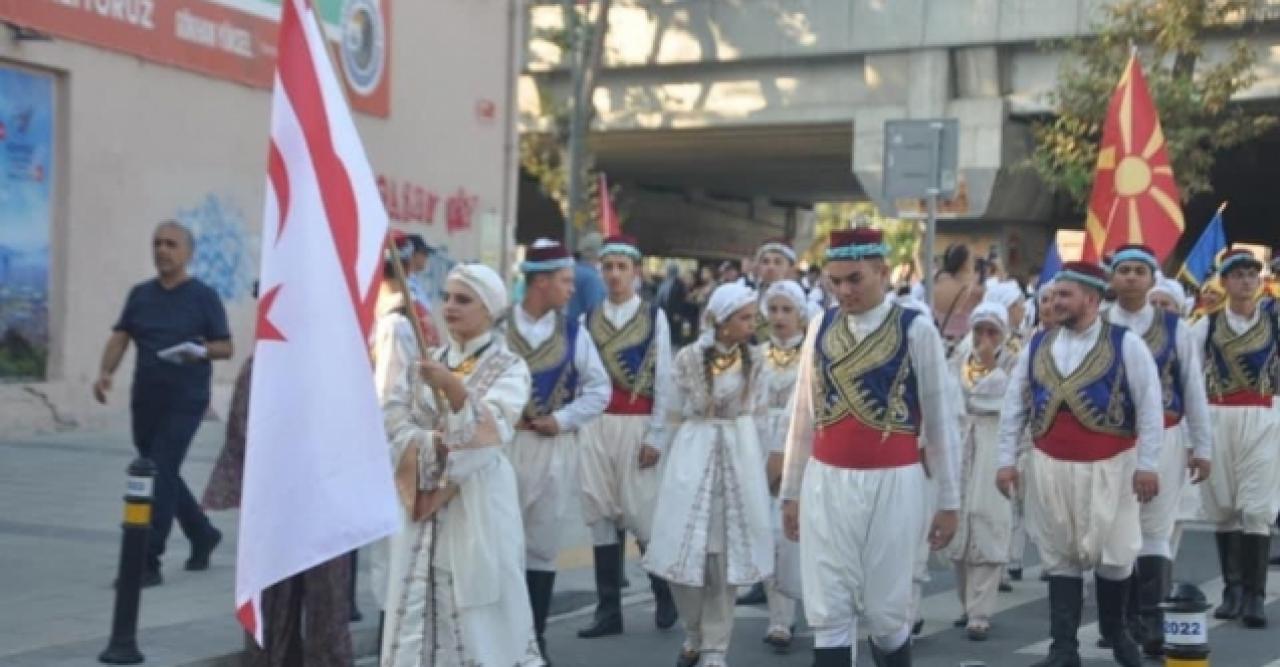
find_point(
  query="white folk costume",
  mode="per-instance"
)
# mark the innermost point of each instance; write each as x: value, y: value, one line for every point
x: 1242, y: 495
x: 781, y: 367
x: 981, y: 545
x: 1187, y: 433
x: 455, y: 598
x: 712, y: 529
x: 869, y: 384
x: 618, y: 496
x: 1087, y: 397
x: 571, y: 385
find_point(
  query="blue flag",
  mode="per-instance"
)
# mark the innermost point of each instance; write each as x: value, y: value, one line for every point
x: 1204, y: 254
x: 1052, y: 263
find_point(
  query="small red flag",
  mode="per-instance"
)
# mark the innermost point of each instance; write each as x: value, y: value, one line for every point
x: 609, y: 225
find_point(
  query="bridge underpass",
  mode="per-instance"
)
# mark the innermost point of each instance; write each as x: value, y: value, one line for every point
x: 728, y: 125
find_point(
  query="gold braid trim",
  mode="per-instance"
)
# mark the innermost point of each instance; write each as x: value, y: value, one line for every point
x: 850, y: 361
x: 1068, y: 391
x: 546, y: 356
x: 611, y: 342
x: 1233, y: 348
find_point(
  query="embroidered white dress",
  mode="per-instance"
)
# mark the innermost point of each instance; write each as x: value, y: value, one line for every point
x: 712, y: 530
x: 457, y: 595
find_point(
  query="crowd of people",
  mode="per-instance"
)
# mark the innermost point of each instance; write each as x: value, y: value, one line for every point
x: 821, y: 435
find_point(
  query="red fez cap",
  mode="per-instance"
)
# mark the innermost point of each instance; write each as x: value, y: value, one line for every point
x: 1085, y: 273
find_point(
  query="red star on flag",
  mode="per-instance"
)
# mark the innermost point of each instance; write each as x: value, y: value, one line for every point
x: 266, y: 329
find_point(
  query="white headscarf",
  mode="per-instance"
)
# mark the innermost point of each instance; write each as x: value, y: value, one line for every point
x: 1005, y: 293
x: 991, y: 313
x: 792, y: 291
x: 486, y: 283
x: 1173, y: 289
x: 726, y: 300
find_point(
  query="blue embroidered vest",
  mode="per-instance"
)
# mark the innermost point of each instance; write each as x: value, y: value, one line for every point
x: 870, y: 380
x: 555, y: 376
x: 628, y: 352
x: 1096, y: 394
x: 1162, y: 338
x: 1244, y: 363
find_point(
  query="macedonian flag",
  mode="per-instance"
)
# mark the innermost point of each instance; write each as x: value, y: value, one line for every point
x: 1134, y: 199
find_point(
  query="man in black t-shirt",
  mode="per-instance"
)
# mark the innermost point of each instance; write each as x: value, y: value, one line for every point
x: 179, y: 326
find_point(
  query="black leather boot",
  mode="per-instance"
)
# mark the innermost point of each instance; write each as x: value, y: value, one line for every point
x: 1066, y: 599
x: 898, y: 658
x: 608, y: 617
x: 754, y: 596
x: 1256, y: 550
x: 1113, y: 597
x: 840, y: 656
x: 1154, y: 576
x: 665, y: 614
x: 1229, y: 551
x: 541, y: 584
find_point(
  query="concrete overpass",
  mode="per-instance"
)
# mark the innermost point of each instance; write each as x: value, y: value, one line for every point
x: 727, y: 119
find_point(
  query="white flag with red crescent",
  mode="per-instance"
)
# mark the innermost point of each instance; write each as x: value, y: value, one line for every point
x: 317, y: 479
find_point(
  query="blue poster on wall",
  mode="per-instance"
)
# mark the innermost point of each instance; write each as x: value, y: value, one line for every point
x: 26, y: 213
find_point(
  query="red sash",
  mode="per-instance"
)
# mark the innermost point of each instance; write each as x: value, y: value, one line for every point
x: 622, y: 403
x: 851, y: 444
x: 1240, y: 399
x: 1069, y: 440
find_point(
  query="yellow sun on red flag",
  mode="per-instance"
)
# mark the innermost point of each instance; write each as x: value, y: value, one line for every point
x: 1135, y: 198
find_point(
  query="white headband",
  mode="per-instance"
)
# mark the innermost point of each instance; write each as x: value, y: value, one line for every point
x: 780, y: 248
x: 991, y: 313
x: 487, y: 285
x: 1172, y: 288
x: 728, y: 299
x: 1004, y: 293
x: 790, y: 290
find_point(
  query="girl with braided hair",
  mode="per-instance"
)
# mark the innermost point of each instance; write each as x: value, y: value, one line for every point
x: 711, y: 528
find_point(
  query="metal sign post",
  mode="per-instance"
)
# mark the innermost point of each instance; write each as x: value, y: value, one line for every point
x: 920, y: 161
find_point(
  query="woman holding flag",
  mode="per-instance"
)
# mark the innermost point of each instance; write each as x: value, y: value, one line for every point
x: 456, y: 595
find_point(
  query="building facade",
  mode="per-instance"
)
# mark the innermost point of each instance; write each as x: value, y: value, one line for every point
x: 117, y: 115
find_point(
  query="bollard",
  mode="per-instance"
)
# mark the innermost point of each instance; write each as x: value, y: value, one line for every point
x: 123, y: 647
x: 1186, y: 631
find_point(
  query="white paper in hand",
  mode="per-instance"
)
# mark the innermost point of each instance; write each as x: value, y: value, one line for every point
x: 183, y: 352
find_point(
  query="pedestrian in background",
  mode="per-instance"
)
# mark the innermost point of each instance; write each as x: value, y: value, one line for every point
x: 179, y: 327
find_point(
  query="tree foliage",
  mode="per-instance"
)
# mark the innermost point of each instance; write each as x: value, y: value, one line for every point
x: 545, y: 154
x: 1192, y: 94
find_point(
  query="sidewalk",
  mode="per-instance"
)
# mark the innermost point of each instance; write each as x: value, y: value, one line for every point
x: 60, y: 542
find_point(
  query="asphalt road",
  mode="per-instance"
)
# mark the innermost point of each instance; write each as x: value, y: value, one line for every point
x: 1019, y: 631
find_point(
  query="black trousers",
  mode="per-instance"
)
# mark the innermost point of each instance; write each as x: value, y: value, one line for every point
x: 163, y: 434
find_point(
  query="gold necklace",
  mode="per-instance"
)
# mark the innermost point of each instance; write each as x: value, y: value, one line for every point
x: 782, y: 357
x: 466, y: 366
x: 975, y: 370
x: 721, y: 363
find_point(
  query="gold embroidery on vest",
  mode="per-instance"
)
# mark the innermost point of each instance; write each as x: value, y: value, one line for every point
x: 1068, y: 392
x: 612, y: 341
x: 546, y: 356
x: 850, y: 360
x: 1233, y: 349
